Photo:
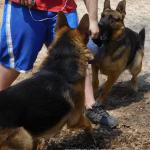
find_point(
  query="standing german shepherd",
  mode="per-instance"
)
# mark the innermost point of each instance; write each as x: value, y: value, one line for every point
x: 120, y: 49
x: 54, y: 96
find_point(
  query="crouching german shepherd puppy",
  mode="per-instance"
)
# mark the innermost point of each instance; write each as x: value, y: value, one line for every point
x: 54, y: 96
x: 120, y: 49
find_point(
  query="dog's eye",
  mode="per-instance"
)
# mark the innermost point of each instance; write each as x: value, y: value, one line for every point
x: 110, y: 17
x: 117, y: 19
x: 102, y: 15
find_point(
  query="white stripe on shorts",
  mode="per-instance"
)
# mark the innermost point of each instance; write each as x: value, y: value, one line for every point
x: 8, y: 35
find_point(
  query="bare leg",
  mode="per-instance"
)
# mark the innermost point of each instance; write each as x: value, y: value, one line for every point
x: 95, y: 112
x: 89, y: 95
x: 7, y: 77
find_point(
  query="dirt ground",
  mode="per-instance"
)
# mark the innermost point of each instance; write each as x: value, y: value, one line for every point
x: 131, y: 108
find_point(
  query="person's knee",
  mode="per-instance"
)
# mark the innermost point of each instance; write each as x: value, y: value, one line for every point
x: 7, y: 77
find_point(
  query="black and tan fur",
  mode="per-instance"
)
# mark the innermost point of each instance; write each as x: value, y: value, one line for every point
x: 120, y: 49
x: 54, y: 96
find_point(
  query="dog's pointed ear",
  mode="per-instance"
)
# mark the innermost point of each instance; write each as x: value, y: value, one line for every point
x: 61, y: 21
x: 122, y: 7
x: 84, y: 25
x: 107, y: 4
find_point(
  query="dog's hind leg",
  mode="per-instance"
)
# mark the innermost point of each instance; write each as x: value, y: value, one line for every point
x: 15, y: 139
x: 95, y: 81
x: 135, y: 69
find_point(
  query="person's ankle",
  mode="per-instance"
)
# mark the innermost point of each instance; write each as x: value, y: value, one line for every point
x: 89, y: 105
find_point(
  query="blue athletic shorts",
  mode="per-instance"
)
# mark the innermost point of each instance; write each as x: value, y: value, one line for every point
x: 24, y: 32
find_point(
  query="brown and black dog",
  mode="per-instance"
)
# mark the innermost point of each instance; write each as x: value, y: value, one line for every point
x: 120, y: 48
x: 54, y: 96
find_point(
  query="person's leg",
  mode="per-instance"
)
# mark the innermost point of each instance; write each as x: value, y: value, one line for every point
x: 7, y: 77
x: 89, y: 95
x: 95, y: 111
x: 20, y: 42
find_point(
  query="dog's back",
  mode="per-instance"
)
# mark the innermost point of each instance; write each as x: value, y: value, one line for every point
x: 33, y: 102
x: 135, y: 42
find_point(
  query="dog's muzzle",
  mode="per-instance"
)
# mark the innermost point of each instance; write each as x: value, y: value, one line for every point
x: 104, y: 23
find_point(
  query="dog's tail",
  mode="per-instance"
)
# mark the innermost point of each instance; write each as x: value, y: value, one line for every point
x: 142, y: 38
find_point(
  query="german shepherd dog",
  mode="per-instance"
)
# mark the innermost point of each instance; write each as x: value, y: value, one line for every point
x: 54, y: 96
x: 120, y: 49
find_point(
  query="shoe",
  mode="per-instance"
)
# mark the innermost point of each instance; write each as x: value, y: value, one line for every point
x: 98, y: 115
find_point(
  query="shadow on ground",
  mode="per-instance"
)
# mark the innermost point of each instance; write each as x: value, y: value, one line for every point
x: 123, y: 95
x: 99, y: 139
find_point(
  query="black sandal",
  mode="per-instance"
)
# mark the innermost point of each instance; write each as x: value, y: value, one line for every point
x: 98, y: 115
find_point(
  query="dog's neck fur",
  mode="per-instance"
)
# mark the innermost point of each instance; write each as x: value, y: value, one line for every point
x: 65, y: 60
x: 118, y: 35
